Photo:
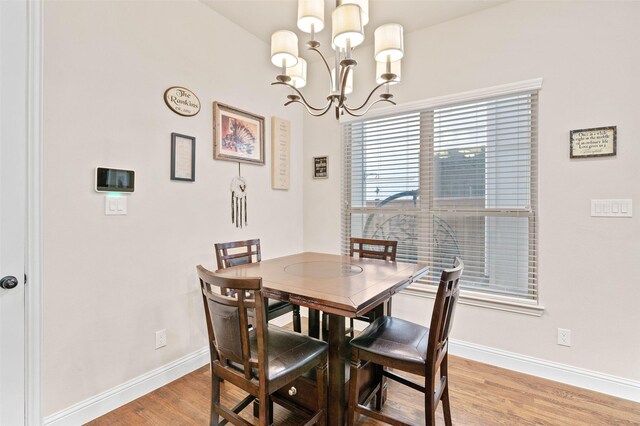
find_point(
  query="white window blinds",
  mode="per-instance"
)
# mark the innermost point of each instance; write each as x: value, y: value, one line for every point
x: 457, y: 180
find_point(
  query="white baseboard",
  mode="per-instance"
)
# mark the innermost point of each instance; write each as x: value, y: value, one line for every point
x: 587, y: 379
x: 111, y: 399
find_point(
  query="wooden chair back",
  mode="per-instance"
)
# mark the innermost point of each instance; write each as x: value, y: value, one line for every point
x: 442, y: 317
x: 373, y: 249
x: 228, y: 321
x: 237, y: 253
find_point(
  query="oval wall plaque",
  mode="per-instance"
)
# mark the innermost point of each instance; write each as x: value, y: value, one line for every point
x: 182, y: 101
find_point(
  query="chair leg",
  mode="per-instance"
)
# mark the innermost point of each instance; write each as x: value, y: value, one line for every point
x: 379, y: 380
x: 215, y: 398
x: 429, y: 403
x: 297, y: 326
x: 265, y: 410
x: 353, y: 388
x: 352, y: 328
x: 321, y: 383
x: 446, y: 406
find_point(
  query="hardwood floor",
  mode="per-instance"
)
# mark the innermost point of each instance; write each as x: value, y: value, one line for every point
x: 480, y: 395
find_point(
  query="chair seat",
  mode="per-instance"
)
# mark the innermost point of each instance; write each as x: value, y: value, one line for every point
x: 394, y: 338
x: 287, y: 351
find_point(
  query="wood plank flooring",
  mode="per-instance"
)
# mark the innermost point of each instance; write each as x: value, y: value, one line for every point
x: 481, y: 395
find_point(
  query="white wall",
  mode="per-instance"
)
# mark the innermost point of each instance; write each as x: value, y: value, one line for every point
x: 588, y: 267
x: 111, y: 282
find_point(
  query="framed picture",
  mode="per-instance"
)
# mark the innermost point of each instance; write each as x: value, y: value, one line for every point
x: 595, y: 142
x: 237, y: 135
x: 183, y: 157
x: 320, y: 167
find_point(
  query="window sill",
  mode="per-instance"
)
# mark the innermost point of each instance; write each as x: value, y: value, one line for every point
x: 475, y: 299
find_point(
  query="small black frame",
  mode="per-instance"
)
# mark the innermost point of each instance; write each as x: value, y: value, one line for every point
x: 183, y: 157
x: 321, y: 167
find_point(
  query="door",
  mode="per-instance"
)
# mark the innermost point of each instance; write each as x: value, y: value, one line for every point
x: 13, y: 142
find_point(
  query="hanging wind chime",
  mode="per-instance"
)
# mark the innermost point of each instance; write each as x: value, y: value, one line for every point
x: 239, y: 200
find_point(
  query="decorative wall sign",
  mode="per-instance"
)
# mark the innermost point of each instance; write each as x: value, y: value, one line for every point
x: 237, y: 135
x: 183, y: 158
x: 182, y: 101
x: 320, y: 167
x: 280, y: 152
x: 595, y: 142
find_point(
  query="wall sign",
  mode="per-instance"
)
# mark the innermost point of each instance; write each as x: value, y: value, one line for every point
x: 595, y: 142
x: 182, y: 101
x: 320, y: 167
x: 280, y: 152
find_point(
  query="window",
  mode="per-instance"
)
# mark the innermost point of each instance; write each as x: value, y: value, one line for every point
x: 455, y: 179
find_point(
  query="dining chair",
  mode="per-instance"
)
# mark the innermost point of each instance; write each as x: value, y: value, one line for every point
x: 259, y: 360
x: 243, y: 252
x: 370, y: 249
x: 402, y: 345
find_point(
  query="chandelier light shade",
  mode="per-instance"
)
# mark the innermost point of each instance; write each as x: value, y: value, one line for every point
x: 364, y: 8
x: 298, y: 74
x: 389, y: 43
x: 284, y: 48
x: 311, y: 15
x: 347, y: 26
x: 347, y: 23
x: 395, y: 68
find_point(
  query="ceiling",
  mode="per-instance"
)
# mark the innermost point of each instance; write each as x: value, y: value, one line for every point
x: 263, y: 17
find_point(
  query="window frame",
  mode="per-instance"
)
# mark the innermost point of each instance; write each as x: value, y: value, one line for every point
x: 468, y: 296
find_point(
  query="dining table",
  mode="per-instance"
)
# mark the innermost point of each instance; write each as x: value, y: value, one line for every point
x: 341, y: 287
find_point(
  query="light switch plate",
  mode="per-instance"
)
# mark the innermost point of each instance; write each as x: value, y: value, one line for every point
x: 612, y: 208
x: 115, y: 205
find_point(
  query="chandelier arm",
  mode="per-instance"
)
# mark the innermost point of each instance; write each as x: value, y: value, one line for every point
x: 318, y: 114
x: 349, y: 111
x: 304, y: 100
x: 369, y: 97
x: 343, y: 84
x: 326, y: 64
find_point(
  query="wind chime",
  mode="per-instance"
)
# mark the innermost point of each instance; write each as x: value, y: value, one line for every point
x: 239, y: 200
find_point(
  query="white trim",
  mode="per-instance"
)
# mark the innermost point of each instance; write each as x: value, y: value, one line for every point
x: 506, y: 304
x: 587, y: 379
x: 113, y: 398
x: 501, y: 90
x: 34, y: 248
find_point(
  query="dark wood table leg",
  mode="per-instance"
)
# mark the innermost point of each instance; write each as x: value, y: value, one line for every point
x: 336, y: 398
x: 314, y: 323
x: 379, y: 380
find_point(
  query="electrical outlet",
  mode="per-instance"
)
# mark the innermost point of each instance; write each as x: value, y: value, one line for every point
x: 564, y: 337
x: 161, y: 338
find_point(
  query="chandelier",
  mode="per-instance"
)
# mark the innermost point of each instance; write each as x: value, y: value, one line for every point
x: 348, y: 21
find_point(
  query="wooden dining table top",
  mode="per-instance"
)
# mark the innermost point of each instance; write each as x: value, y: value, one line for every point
x: 342, y: 285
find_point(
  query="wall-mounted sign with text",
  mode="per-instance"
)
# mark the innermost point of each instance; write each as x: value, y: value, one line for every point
x: 182, y: 101
x: 320, y: 167
x: 595, y: 142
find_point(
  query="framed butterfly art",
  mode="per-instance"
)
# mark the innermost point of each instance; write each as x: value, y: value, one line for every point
x: 237, y: 135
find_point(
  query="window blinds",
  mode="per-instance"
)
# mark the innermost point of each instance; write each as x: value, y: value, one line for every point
x: 456, y: 180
